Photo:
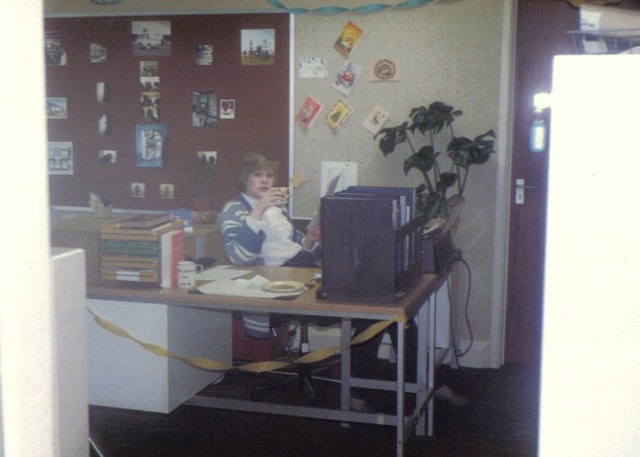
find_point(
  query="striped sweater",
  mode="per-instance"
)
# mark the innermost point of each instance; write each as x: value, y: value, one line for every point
x: 243, y: 246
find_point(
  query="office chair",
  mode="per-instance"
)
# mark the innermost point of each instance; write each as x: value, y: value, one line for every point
x: 306, y: 374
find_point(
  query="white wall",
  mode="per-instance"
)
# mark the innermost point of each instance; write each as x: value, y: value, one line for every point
x: 26, y: 354
x: 590, y: 351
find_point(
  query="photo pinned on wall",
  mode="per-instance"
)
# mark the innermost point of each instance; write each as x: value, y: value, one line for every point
x: 348, y: 39
x: 258, y: 46
x: 227, y: 109
x: 312, y: 67
x: 103, y: 92
x: 150, y: 83
x: 209, y: 155
x: 105, y: 124
x: 166, y: 191
x: 150, y: 106
x: 149, y: 68
x: 338, y: 115
x: 138, y: 189
x: 108, y: 156
x: 151, y: 38
x: 97, y: 53
x: 384, y: 70
x: 204, y: 54
x: 150, y: 140
x: 204, y: 109
x: 376, y: 119
x: 309, y: 112
x: 55, y: 49
x: 56, y: 108
x: 347, y: 78
x: 60, y: 155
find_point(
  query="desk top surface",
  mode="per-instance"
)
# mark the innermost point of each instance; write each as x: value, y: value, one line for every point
x: 304, y: 304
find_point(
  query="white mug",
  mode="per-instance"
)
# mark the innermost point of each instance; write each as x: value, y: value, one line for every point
x: 187, y: 273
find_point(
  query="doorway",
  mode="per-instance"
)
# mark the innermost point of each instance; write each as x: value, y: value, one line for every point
x: 540, y: 34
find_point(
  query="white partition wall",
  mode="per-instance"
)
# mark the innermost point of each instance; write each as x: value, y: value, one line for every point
x: 591, y: 336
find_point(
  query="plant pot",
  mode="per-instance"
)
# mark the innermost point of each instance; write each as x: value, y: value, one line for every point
x: 203, y: 204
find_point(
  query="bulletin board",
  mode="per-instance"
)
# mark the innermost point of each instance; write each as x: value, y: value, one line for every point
x: 131, y: 101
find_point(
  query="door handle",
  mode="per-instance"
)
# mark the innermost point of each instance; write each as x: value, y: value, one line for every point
x: 520, y: 187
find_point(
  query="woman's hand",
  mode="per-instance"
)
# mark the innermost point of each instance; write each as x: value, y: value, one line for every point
x: 313, y: 236
x: 274, y: 196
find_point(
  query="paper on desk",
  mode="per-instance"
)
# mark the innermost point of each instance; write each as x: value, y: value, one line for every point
x: 240, y: 288
x: 220, y: 274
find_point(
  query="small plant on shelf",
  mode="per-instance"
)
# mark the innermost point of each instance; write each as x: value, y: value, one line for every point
x: 441, y: 172
x: 204, y: 167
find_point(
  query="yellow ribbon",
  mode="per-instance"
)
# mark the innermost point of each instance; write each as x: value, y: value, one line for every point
x: 254, y: 367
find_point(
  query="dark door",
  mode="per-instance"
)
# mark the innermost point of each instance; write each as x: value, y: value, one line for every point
x: 540, y: 34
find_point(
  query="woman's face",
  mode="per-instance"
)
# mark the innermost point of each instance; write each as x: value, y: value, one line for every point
x: 259, y: 182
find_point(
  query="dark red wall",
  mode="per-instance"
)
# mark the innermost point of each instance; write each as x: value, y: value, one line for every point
x: 261, y: 93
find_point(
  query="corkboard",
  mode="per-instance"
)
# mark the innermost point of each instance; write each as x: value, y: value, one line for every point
x: 261, y: 95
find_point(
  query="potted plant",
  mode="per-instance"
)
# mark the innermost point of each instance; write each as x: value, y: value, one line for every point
x: 204, y: 167
x: 441, y: 172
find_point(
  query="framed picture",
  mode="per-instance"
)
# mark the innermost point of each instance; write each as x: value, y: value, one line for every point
x: 150, y: 141
x: 60, y: 156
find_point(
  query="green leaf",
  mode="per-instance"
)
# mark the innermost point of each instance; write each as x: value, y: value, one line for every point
x: 423, y: 160
x: 465, y: 152
x: 433, y: 119
x: 446, y: 180
x: 391, y: 137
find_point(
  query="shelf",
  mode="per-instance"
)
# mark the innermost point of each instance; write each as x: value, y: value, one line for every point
x: 611, y: 41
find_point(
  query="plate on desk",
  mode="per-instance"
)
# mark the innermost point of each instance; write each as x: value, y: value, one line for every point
x: 285, y: 287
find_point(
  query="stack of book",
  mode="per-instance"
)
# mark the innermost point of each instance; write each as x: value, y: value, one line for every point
x: 371, y: 243
x: 143, y: 249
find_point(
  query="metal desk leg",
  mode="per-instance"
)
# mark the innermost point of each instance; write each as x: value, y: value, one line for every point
x: 400, y: 391
x: 431, y: 362
x: 345, y: 370
x: 422, y: 360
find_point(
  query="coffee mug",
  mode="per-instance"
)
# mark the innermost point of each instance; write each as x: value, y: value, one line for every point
x: 187, y: 271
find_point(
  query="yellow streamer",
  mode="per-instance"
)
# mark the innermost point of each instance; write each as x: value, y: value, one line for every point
x: 255, y: 367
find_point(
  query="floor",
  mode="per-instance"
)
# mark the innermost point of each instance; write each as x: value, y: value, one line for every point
x: 499, y: 421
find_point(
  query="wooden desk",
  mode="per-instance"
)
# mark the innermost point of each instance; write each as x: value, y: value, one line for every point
x: 416, y: 303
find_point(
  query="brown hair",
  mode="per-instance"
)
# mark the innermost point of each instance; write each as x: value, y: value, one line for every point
x: 252, y: 162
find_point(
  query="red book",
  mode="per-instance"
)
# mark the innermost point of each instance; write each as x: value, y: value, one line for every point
x: 171, y: 252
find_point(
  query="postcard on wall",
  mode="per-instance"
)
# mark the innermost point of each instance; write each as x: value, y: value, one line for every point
x: 376, y: 119
x: 204, y: 109
x: 60, y: 155
x: 204, y: 54
x: 166, y: 191
x: 338, y: 115
x: 105, y: 124
x: 149, y: 68
x: 258, y: 46
x: 384, y: 70
x: 312, y: 67
x: 56, y: 108
x: 103, y: 92
x: 55, y: 48
x: 150, y: 106
x: 348, y: 39
x: 138, y: 189
x: 151, y: 38
x: 309, y: 112
x: 150, y: 83
x: 97, y: 53
x: 346, y: 78
x: 227, y: 109
x: 150, y: 139
x: 109, y: 156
